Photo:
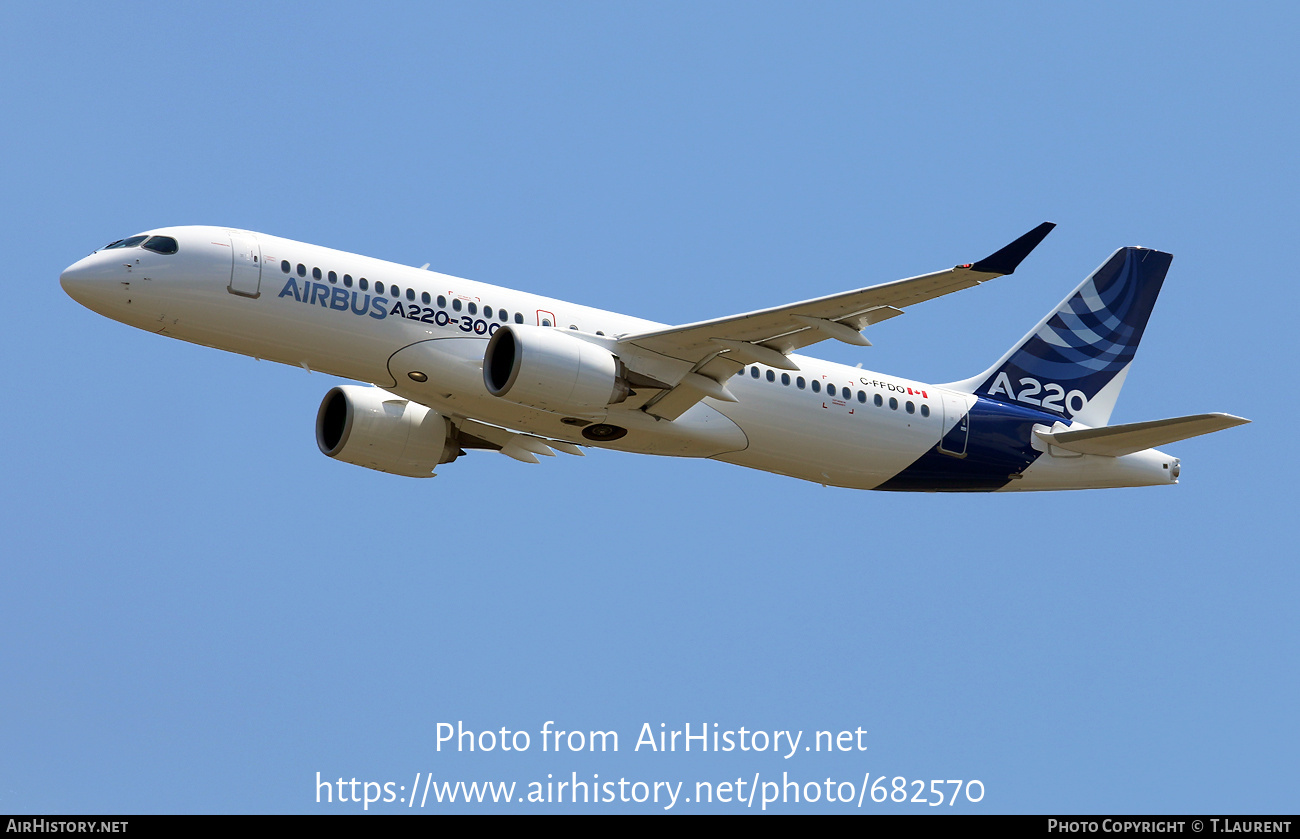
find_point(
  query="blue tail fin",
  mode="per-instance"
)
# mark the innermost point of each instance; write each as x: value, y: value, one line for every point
x: 1074, y: 362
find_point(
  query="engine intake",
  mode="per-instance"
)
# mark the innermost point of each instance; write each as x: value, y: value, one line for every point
x: 550, y: 369
x: 369, y: 427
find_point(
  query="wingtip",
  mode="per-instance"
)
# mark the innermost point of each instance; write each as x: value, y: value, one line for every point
x: 1231, y: 420
x: 1009, y: 258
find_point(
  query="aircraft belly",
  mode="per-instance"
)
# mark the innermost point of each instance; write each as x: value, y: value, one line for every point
x: 824, y: 441
x: 703, y: 431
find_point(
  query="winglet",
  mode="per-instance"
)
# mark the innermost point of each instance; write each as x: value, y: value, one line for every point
x: 1009, y: 258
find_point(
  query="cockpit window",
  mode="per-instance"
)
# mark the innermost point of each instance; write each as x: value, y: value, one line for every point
x: 126, y: 243
x: 161, y: 244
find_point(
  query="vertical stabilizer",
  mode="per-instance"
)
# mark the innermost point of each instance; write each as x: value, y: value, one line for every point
x: 1074, y: 362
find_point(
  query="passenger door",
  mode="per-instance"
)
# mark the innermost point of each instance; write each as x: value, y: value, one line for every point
x: 246, y: 265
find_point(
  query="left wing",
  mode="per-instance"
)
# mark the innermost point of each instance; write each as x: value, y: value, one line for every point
x: 716, y: 349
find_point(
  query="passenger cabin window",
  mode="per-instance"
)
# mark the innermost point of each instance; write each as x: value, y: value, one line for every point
x: 161, y: 244
x: 285, y: 266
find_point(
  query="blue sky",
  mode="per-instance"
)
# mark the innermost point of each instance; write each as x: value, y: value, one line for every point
x: 202, y: 612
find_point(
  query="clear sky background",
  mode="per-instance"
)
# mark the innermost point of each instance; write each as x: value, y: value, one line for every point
x: 200, y: 611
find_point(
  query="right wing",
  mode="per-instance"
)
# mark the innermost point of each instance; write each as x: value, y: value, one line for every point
x: 717, y: 348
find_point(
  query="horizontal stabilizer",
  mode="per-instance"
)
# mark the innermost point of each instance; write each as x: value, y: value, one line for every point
x: 1117, y: 440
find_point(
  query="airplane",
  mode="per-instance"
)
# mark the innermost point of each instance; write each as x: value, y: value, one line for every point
x: 456, y: 365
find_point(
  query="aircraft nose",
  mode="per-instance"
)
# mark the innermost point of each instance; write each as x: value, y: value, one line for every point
x: 75, y: 278
x: 88, y: 280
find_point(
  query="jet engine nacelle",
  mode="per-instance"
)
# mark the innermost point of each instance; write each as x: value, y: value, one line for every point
x: 370, y: 427
x: 547, y: 368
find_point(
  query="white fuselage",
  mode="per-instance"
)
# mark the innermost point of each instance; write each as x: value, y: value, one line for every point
x: 379, y: 322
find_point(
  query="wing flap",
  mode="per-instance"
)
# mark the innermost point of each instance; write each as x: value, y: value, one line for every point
x: 521, y: 447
